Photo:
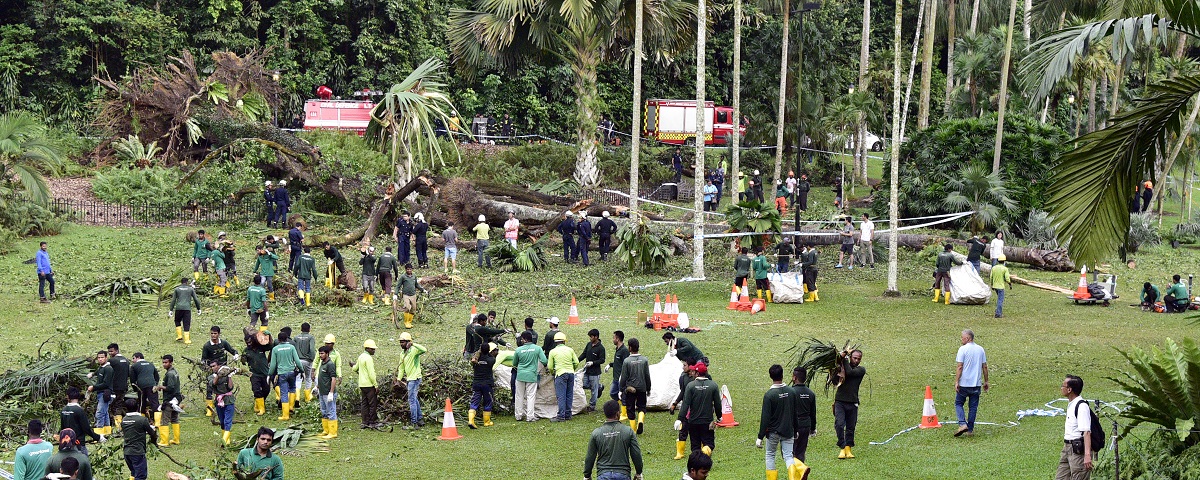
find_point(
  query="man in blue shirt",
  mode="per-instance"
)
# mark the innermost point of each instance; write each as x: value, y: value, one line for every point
x: 295, y: 244
x: 282, y: 203
x: 584, y: 229
x: 45, y: 274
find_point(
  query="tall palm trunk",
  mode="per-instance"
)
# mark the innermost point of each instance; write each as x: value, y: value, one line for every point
x: 951, y: 28
x: 1012, y: 19
x: 698, y: 201
x: 894, y: 190
x: 1027, y: 10
x: 927, y: 67
x: 635, y: 141
x: 585, y: 62
x: 912, y: 67
x: 973, y: 28
x: 860, y: 157
x: 1169, y: 161
x: 783, y: 68
x: 1091, y: 105
x: 731, y: 177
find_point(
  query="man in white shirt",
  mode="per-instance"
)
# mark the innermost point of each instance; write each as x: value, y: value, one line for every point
x: 866, y: 240
x: 1072, y: 465
x: 970, y: 377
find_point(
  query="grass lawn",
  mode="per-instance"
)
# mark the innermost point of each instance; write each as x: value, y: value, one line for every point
x: 908, y: 342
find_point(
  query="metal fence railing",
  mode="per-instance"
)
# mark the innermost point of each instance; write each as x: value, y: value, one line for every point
x: 147, y: 214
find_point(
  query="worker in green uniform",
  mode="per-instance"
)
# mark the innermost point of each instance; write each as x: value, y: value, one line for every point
x: 134, y: 430
x: 684, y: 349
x: 256, y: 304
x: 388, y: 268
x: 334, y: 259
x: 635, y: 385
x: 612, y: 447
x: 368, y: 384
x: 120, y: 382
x: 306, y: 268
x: 761, y: 268
x: 777, y: 422
x: 259, y: 457
x: 620, y: 353
x: 409, y: 373
x: 221, y: 383
x: 482, y: 384
x: 68, y: 452
x: 306, y: 348
x: 102, y: 387
x: 144, y: 378
x: 741, y: 268
x: 327, y: 385
x: 31, y: 459
x: 199, y: 255
x: 214, y: 351
x: 171, y: 400
x: 941, y: 276
x: 701, y: 402
x: 264, y: 264
x: 1176, y: 297
x: 182, y: 299
x: 562, y: 364
x: 75, y: 418
x: 804, y: 406
x: 808, y: 267
x: 218, y: 259
x: 407, y: 288
x: 527, y: 358
x: 255, y: 356
x: 285, y: 362
x: 845, y: 400
x: 369, y: 274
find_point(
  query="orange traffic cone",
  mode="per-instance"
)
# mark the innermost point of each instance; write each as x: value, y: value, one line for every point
x: 658, y: 311
x: 733, y: 299
x: 758, y: 306
x: 929, y: 415
x: 1081, y: 292
x: 726, y: 409
x: 449, y: 430
x: 672, y: 312
x: 573, y: 316
x: 473, y: 313
x: 744, y: 299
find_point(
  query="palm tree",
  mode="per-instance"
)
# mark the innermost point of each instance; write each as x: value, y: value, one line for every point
x: 786, y: 9
x: 1090, y: 187
x: 951, y: 27
x: 582, y: 34
x: 25, y: 151
x: 402, y: 123
x: 1012, y: 17
x: 894, y: 190
x: 860, y: 153
x: 984, y: 193
x: 698, y: 217
x: 927, y: 67
x: 635, y: 136
x: 737, y: 100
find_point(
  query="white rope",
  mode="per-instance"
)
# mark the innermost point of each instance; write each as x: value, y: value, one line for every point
x: 644, y: 200
x: 909, y: 429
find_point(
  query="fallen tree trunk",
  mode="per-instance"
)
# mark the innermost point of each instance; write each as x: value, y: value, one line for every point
x: 985, y: 270
x: 379, y: 210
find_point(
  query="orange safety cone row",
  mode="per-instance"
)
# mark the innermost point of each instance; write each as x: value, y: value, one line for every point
x: 449, y: 430
x: 733, y: 299
x: 1081, y: 291
x: 573, y: 315
x: 744, y: 299
x: 658, y: 311
x: 929, y: 414
x: 726, y: 409
x: 758, y: 306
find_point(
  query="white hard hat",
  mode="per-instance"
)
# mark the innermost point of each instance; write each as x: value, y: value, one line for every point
x: 282, y: 182
x: 371, y: 249
x: 419, y: 216
x: 482, y: 218
x: 569, y: 213
x: 268, y: 183
x: 756, y: 171
x: 604, y: 214
x: 554, y: 320
x: 222, y: 234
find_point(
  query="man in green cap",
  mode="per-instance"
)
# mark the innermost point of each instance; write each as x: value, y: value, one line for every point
x: 701, y: 404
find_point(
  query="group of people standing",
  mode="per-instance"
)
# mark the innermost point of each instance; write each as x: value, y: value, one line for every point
x: 577, y: 233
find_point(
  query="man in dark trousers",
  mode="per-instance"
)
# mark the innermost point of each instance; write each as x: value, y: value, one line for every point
x: 144, y: 378
x: 805, y: 409
x: 701, y: 404
x: 567, y: 229
x: 1147, y: 194
x: 134, y: 430
x: 605, y: 228
x: 295, y: 245
x: 120, y: 383
x: 593, y: 359
x: 612, y: 448
x: 506, y: 128
x: 74, y: 417
x: 757, y: 189
x: 677, y: 166
x: 802, y: 189
x: 975, y: 247
x: 282, y: 203
x: 584, y: 229
x: 402, y: 234
x: 269, y: 203
x: 635, y: 385
x: 718, y: 179
x: 845, y: 401
x: 548, y: 338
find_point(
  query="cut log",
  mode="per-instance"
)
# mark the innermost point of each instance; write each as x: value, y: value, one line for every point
x: 985, y: 269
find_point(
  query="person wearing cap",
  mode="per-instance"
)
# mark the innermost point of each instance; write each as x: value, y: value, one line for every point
x: 527, y: 358
x: 802, y: 188
x: 333, y: 258
x: 75, y: 418
x: 698, y: 410
x: 282, y: 203
x: 593, y: 361
x: 481, y: 231
x: 402, y: 234
x: 941, y: 276
x: 407, y: 287
x: 327, y: 385
x: 482, y: 383
x: 369, y: 273
x: 420, y: 231
x: 199, y: 255
x: 305, y: 271
x: 741, y: 187
x: 256, y: 303
x: 285, y: 362
x: 334, y: 356
x: 69, y: 448
x: 790, y: 186
x: 182, y: 299
x: 777, y: 422
x: 512, y: 227
x: 368, y: 384
x: 756, y: 186
x: 635, y: 385
x: 269, y: 199
x: 685, y: 378
x: 1000, y: 279
x: 605, y: 229
x: 781, y: 200
x: 584, y: 229
x: 562, y: 364
x: 611, y: 448
x: 567, y: 229
x: 409, y: 373
x: 31, y: 458
x: 450, y: 256
x: 171, y: 399
x: 295, y: 245
x: 388, y: 269
x: 264, y: 264
x: 548, y: 338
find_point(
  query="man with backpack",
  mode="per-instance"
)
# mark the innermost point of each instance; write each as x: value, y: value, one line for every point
x: 1079, y: 442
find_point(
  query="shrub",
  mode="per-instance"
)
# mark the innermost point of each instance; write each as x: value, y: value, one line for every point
x: 1142, y: 232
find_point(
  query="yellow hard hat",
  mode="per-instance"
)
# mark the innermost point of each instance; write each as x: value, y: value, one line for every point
x: 405, y: 337
x: 369, y: 344
x: 329, y: 338
x: 560, y: 337
x: 1000, y: 258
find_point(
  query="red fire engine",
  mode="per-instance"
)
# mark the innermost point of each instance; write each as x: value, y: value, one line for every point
x: 324, y: 113
x: 674, y: 122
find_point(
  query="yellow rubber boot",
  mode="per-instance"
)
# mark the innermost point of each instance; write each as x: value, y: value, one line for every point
x: 641, y: 422
x: 333, y: 430
x: 157, y: 419
x: 225, y: 436
x: 706, y: 450
x: 633, y: 424
x: 307, y: 299
x: 842, y: 454
x: 117, y: 420
x: 271, y: 296
x: 849, y: 454
x: 408, y: 320
x: 624, y: 417
x: 237, y: 281
x: 287, y: 411
x: 365, y: 297
x: 758, y: 294
x: 770, y: 297
x: 798, y: 470
x: 947, y: 297
x: 680, y: 449
x: 387, y: 300
x: 187, y: 338
x: 178, y: 333
x: 816, y: 295
x: 163, y: 441
x: 308, y: 395
x: 324, y: 427
x: 277, y: 397
x: 196, y: 276
x: 772, y: 474
x: 937, y: 295
x: 260, y: 406
x: 487, y: 419
x: 174, y: 434
x: 471, y: 419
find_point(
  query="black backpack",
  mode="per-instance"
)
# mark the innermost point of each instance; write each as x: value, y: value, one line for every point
x: 1097, y: 431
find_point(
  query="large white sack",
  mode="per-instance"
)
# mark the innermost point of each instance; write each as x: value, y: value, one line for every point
x: 787, y: 287
x: 664, y: 383
x: 966, y: 287
x: 546, y: 405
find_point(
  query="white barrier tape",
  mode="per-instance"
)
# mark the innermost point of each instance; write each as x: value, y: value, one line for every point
x: 909, y: 429
x: 652, y: 285
x: 644, y: 200
x: 831, y: 234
